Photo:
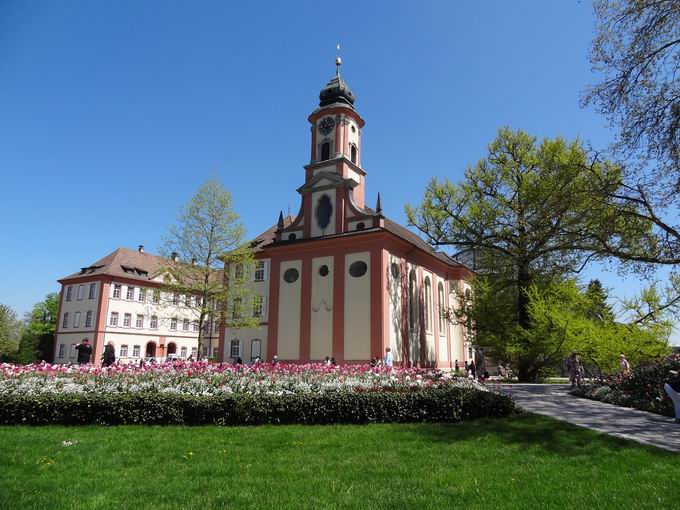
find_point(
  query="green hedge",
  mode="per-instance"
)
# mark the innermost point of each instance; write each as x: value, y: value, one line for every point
x: 430, y: 405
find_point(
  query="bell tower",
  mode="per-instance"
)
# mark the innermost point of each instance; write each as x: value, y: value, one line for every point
x: 334, y: 188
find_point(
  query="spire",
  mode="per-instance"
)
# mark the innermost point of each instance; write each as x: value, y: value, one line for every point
x: 280, y: 223
x: 378, y: 206
x: 336, y: 90
x: 338, y: 61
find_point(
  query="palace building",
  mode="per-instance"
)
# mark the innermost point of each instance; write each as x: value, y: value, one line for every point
x: 339, y: 279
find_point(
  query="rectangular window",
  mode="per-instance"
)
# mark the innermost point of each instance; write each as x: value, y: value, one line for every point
x: 64, y: 323
x: 72, y: 351
x: 127, y: 320
x: 175, y: 299
x: 156, y: 297
x: 238, y: 272
x: 88, y: 319
x: 76, y: 320
x: 236, y: 309
x: 116, y: 290
x: 173, y: 324
x: 81, y: 292
x: 135, y: 351
x: 259, y: 271
x: 187, y: 300
x: 183, y: 352
x: 123, y: 351
x: 185, y: 325
x: 130, y: 293
x: 142, y: 295
x: 69, y: 293
x: 258, y: 306
x: 113, y: 320
x: 154, y: 322
x: 214, y: 354
x: 235, y: 348
x: 139, y: 321
x: 93, y: 291
x: 62, y: 350
x: 195, y: 326
x: 204, y: 352
x: 194, y: 352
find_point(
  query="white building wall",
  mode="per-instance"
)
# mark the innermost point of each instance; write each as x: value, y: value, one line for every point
x: 81, y: 306
x: 395, y: 306
x: 321, y: 341
x: 357, y: 310
x: 288, y: 344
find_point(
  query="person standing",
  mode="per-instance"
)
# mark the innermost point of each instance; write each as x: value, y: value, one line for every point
x: 457, y: 367
x: 473, y: 369
x: 84, y: 351
x: 672, y: 388
x: 389, y: 359
x: 109, y: 356
x: 574, y: 366
x: 624, y: 366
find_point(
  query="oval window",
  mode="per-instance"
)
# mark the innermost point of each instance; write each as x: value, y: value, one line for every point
x: 361, y: 225
x: 395, y: 270
x: 358, y: 269
x: 324, y: 209
x: 323, y: 270
x: 291, y: 275
x: 291, y: 237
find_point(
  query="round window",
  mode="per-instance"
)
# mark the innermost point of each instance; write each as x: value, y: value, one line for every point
x: 394, y: 268
x: 358, y: 269
x: 323, y: 270
x: 361, y: 225
x: 291, y: 275
x: 291, y: 237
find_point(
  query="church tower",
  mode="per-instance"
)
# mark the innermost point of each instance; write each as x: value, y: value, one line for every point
x: 333, y: 195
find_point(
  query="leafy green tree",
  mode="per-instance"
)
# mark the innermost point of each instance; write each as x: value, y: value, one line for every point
x: 531, y: 213
x: 599, y: 309
x: 37, y: 337
x: 10, y: 331
x: 207, y: 236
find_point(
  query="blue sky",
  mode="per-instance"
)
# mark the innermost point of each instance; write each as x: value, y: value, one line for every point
x: 112, y: 113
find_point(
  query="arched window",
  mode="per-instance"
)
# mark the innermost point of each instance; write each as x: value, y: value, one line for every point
x: 428, y: 304
x: 325, y: 151
x: 353, y: 152
x: 442, y: 305
x: 412, y: 300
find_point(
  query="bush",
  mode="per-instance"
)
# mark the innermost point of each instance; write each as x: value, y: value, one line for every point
x: 450, y: 404
x: 643, y: 389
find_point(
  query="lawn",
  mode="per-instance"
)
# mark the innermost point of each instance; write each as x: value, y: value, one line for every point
x: 520, y: 462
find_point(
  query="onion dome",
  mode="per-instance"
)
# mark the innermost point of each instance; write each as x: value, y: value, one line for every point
x: 336, y: 90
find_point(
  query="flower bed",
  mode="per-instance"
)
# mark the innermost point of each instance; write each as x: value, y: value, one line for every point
x: 643, y: 389
x: 201, y: 393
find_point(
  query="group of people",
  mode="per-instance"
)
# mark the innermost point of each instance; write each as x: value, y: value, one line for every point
x: 575, y: 368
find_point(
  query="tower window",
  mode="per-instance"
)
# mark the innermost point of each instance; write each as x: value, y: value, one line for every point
x: 325, y: 151
x: 353, y: 152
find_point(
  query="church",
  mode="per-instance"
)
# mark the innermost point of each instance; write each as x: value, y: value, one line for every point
x: 340, y: 279
x: 337, y: 280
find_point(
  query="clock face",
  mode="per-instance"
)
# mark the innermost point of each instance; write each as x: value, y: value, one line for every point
x: 326, y: 125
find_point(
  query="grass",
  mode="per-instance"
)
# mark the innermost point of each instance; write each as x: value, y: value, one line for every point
x: 521, y: 462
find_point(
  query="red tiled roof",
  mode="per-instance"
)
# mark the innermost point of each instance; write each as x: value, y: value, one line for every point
x: 125, y: 263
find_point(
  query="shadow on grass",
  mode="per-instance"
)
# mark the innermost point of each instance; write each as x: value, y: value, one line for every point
x: 529, y: 431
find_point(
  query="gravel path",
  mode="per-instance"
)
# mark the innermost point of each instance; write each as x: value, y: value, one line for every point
x: 554, y: 401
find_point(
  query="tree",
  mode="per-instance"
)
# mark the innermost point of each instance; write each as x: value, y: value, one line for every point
x: 10, y: 331
x: 598, y: 308
x: 207, y: 236
x: 637, y: 52
x: 531, y: 212
x: 37, y: 337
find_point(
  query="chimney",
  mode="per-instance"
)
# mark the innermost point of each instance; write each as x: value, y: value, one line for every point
x: 193, y: 262
x: 140, y: 248
x: 174, y: 256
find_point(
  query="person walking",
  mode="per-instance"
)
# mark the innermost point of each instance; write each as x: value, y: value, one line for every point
x: 575, y: 367
x: 109, y: 355
x: 84, y: 351
x: 624, y: 366
x: 672, y: 388
x: 389, y: 359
